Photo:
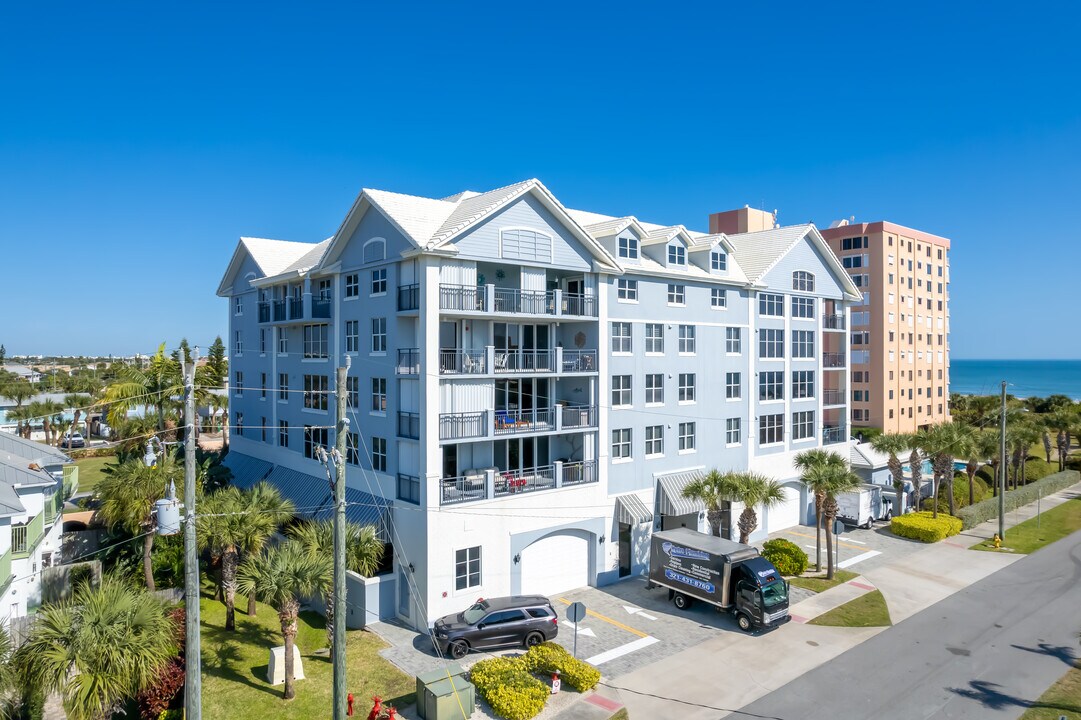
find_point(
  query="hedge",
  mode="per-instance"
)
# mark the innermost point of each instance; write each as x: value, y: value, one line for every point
x: 549, y: 657
x: 786, y: 556
x: 508, y: 688
x: 973, y: 515
x: 925, y: 528
x: 960, y: 493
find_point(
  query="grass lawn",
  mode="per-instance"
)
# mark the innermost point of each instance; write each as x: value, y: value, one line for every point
x: 90, y: 471
x: 817, y: 583
x: 1063, y: 699
x: 235, y: 665
x: 865, y: 611
x: 1055, y: 524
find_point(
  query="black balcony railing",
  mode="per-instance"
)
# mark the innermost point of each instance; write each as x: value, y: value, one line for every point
x: 580, y: 472
x: 461, y: 297
x: 512, y: 482
x: 579, y: 361
x: 464, y: 488
x: 264, y: 311
x: 508, y: 422
x: 524, y: 360
x: 321, y: 306
x: 579, y: 416
x: 408, y: 425
x: 296, y: 308
x: 409, y: 297
x: 575, y: 304
x: 461, y: 426
x: 408, y: 361
x: 453, y: 361
x: 278, y: 307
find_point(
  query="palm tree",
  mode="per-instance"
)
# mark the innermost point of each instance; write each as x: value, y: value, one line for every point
x: 48, y: 411
x: 77, y: 403
x: 155, y: 387
x: 363, y: 553
x: 98, y: 649
x: 828, y: 480
x: 20, y: 391
x: 1063, y: 421
x: 754, y: 490
x: 128, y: 493
x: 1025, y: 433
x: 715, y: 490
x: 1046, y: 426
x: 893, y: 445
x: 940, y: 442
x: 915, y: 468
x: 19, y: 415
x: 280, y: 576
x: 805, y: 462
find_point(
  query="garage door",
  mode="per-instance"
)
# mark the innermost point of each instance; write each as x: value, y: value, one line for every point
x: 786, y: 514
x: 555, y: 564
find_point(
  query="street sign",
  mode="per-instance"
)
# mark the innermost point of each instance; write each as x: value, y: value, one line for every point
x: 576, y: 612
x: 838, y: 527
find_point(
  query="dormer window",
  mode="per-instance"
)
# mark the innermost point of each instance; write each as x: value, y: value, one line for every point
x: 628, y: 248
x: 677, y: 255
x: 803, y: 281
x: 718, y: 261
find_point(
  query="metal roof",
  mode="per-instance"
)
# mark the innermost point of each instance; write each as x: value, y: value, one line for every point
x: 16, y: 448
x: 246, y: 470
x: 670, y: 500
x: 313, y: 499
x: 631, y: 510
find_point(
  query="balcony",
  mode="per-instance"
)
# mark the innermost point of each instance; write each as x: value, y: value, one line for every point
x: 528, y: 302
x: 833, y: 360
x: 463, y: 362
x: 833, y: 434
x: 408, y: 362
x: 457, y: 361
x: 578, y: 416
x: 510, y: 422
x: 467, y: 298
x: 581, y: 305
x: 264, y: 311
x: 296, y: 308
x: 408, y: 425
x: 321, y: 307
x: 524, y: 361
x: 515, y: 301
x: 408, y: 297
x: 463, y: 426
x: 475, y: 425
x: 833, y: 397
x: 833, y: 322
x: 492, y: 483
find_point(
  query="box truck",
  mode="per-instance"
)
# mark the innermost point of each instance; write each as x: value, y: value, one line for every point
x: 862, y: 506
x: 725, y: 574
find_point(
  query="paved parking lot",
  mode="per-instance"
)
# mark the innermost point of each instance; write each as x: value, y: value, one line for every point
x: 860, y: 550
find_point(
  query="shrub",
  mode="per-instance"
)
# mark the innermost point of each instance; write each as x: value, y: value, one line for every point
x: 973, y: 515
x: 508, y: 688
x: 549, y: 657
x: 921, y: 526
x: 786, y: 556
x: 1038, y: 469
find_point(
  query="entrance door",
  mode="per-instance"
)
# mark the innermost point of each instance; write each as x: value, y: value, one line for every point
x: 448, y: 335
x: 575, y: 286
x: 403, y: 594
x: 624, y: 549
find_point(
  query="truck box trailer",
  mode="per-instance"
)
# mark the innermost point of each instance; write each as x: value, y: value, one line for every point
x: 725, y: 574
x: 862, y: 506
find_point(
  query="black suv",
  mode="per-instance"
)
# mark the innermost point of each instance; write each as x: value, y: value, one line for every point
x: 521, y: 620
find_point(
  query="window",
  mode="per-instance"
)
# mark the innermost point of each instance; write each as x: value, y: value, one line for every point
x: 856, y: 261
x: 314, y: 438
x: 379, y: 454
x: 677, y: 254
x: 770, y: 429
x: 238, y: 389
x: 379, y: 281
x: 621, y: 390
x: 526, y: 245
x: 375, y: 250
x: 283, y: 434
x: 718, y: 298
x: 283, y: 387
x: 628, y: 248
x: 654, y: 338
x: 803, y: 281
x: 803, y: 425
x: 324, y: 291
x: 352, y: 389
x: 732, y: 434
x: 379, y: 394
x: 238, y: 305
x: 352, y: 448
x: 686, y: 436
x: 262, y: 340
x: 803, y: 307
x: 409, y: 488
x: 379, y: 335
x: 770, y: 305
x: 315, y: 392
x: 283, y: 341
x: 262, y: 387
x: 654, y: 388
x: 686, y: 339
x: 733, y: 340
x: 654, y: 440
x: 732, y: 386
x: 238, y: 343
x: 803, y: 384
x: 686, y: 387
x: 771, y: 343
x: 621, y: 443
x: 803, y: 344
x: 315, y: 341
x: 677, y: 294
x: 627, y: 290
x: 718, y: 261
x: 352, y: 336
x: 240, y: 423
x: 467, y: 568
x: 352, y: 285
x: 621, y: 337
x: 771, y: 385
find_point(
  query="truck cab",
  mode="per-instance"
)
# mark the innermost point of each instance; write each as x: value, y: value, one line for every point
x: 761, y: 595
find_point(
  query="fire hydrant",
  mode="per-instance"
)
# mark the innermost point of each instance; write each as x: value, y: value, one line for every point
x: 555, y: 682
x: 377, y: 709
x: 392, y: 714
x: 998, y: 541
x: 349, y: 710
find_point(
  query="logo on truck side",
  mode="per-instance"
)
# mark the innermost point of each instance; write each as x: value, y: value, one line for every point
x: 687, y: 580
x: 683, y: 552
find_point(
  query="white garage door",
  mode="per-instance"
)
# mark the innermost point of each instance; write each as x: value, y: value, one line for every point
x: 555, y: 564
x: 786, y: 514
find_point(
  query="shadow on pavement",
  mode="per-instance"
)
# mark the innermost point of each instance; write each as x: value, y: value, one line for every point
x: 987, y: 694
x: 1063, y: 652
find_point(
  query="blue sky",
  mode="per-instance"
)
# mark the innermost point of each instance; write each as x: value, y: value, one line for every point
x: 139, y: 140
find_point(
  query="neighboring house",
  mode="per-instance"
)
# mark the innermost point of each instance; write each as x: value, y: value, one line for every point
x: 23, y: 371
x: 531, y: 387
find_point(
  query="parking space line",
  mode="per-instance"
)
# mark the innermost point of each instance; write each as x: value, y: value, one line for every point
x: 842, y: 542
x: 622, y: 650
x: 859, y: 558
x: 609, y: 620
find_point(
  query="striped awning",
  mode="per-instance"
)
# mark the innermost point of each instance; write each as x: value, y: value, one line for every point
x: 314, y: 499
x: 670, y: 500
x: 246, y: 470
x: 631, y: 510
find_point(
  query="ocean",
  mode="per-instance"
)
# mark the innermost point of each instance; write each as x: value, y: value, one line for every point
x: 1025, y: 378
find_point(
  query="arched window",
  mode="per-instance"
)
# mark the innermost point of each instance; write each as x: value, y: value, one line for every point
x: 803, y: 280
x: 375, y: 250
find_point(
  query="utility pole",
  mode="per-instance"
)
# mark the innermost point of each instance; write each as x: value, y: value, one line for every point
x: 1002, y: 467
x: 340, y: 450
x: 193, y: 702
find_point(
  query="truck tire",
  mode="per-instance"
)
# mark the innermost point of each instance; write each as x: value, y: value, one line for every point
x: 744, y: 622
x: 681, y: 601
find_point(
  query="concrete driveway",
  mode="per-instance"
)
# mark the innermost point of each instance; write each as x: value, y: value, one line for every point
x: 859, y: 550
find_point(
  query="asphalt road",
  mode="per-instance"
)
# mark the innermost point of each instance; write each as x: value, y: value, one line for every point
x: 988, y: 651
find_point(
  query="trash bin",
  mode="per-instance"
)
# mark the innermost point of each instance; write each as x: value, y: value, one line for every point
x: 447, y: 699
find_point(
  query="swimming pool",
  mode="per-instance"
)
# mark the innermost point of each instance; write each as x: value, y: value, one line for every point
x: 928, y: 471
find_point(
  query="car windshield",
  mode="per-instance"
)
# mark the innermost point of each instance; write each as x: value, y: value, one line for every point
x: 774, y: 593
x: 474, y: 614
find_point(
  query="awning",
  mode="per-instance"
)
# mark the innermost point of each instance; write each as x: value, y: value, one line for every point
x: 314, y: 499
x: 670, y: 500
x: 631, y: 510
x: 247, y: 471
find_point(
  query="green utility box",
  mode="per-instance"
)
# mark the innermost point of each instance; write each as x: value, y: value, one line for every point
x: 440, y: 697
